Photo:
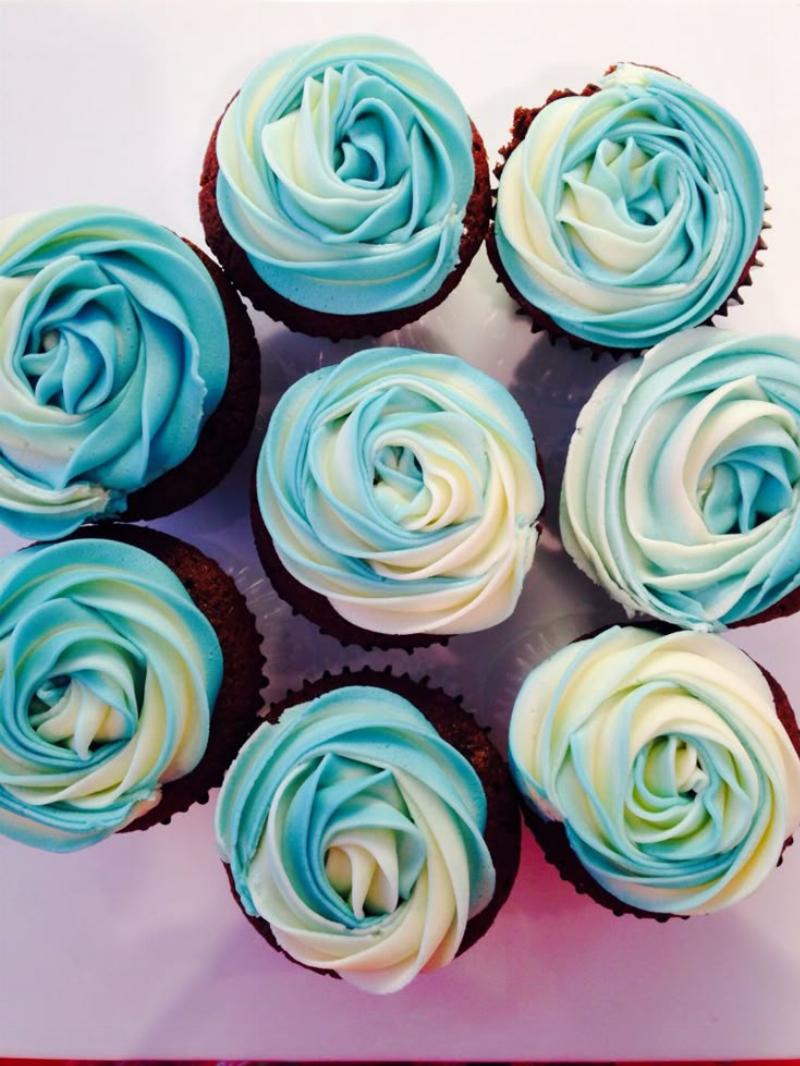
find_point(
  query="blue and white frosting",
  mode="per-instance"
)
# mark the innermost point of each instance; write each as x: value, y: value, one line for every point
x: 355, y: 830
x: 345, y: 169
x: 403, y: 486
x: 630, y: 213
x: 682, y: 481
x: 108, y: 677
x: 664, y: 759
x: 113, y: 352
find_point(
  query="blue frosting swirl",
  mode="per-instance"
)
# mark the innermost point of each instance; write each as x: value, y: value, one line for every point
x: 403, y: 486
x: 108, y: 676
x: 682, y: 482
x: 630, y: 213
x: 355, y: 830
x: 665, y: 761
x: 113, y: 352
x: 345, y: 172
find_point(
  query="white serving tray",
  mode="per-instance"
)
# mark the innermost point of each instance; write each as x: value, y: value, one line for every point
x: 134, y: 948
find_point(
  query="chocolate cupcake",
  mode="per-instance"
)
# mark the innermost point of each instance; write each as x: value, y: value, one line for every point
x: 397, y: 498
x: 682, y: 482
x: 626, y: 212
x: 344, y: 189
x: 131, y: 673
x: 130, y: 372
x: 661, y: 770
x: 370, y: 829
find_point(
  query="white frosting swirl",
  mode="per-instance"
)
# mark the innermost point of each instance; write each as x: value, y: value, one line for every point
x: 355, y: 830
x: 403, y: 486
x: 345, y: 169
x: 665, y: 760
x: 108, y: 676
x: 628, y: 213
x: 682, y: 480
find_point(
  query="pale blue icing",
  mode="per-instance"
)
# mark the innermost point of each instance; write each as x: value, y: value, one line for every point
x: 357, y: 770
x: 403, y: 486
x: 108, y: 676
x: 665, y: 761
x: 630, y: 213
x: 681, y: 485
x: 357, y: 736
x: 345, y: 172
x: 113, y: 352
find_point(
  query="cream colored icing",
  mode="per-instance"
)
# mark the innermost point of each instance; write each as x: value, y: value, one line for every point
x: 355, y: 830
x: 665, y: 760
x: 403, y: 486
x: 629, y: 213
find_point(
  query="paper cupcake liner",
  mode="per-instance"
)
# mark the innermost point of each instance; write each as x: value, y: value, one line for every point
x: 460, y: 729
x: 540, y: 321
x: 319, y: 323
x: 554, y: 842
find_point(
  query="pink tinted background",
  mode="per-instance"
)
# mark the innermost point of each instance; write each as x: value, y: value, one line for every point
x: 134, y: 948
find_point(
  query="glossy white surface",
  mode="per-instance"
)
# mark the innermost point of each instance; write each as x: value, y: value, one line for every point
x: 134, y: 948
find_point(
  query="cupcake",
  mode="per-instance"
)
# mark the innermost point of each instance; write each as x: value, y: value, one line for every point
x: 130, y: 672
x: 661, y: 771
x: 129, y: 372
x: 397, y: 497
x: 345, y: 190
x: 626, y: 212
x: 682, y: 481
x: 370, y: 829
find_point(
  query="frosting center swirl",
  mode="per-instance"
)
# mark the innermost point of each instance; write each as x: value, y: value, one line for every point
x: 108, y: 676
x: 113, y: 353
x: 751, y: 459
x: 630, y: 212
x: 403, y: 486
x: 345, y: 170
x: 355, y: 830
x: 666, y: 762
x: 681, y: 491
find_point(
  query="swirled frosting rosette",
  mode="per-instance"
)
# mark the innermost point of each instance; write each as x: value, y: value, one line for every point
x: 403, y: 488
x: 663, y: 765
x: 113, y: 353
x: 338, y: 183
x: 680, y: 493
x: 108, y: 677
x: 356, y: 831
x: 627, y: 212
